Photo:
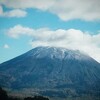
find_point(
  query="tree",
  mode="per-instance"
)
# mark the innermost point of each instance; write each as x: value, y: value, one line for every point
x: 3, y: 94
x: 36, y: 98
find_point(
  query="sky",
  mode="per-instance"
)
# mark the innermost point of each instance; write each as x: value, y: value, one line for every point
x: 26, y: 24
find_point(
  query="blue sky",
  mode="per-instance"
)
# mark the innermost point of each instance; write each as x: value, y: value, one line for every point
x: 25, y: 25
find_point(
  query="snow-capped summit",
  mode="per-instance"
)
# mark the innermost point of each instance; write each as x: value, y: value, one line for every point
x: 58, y: 53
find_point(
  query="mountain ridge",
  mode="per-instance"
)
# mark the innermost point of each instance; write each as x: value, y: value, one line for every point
x: 47, y: 47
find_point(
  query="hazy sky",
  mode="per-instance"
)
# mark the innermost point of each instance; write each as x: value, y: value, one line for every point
x: 25, y: 24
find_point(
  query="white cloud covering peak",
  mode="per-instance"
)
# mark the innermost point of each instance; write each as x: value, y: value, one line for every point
x: 71, y: 39
x: 88, y: 10
x: 13, y: 13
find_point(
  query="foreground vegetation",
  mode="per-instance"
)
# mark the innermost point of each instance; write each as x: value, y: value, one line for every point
x: 4, y: 96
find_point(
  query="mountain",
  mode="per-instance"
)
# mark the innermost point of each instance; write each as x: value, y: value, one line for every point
x: 53, y: 72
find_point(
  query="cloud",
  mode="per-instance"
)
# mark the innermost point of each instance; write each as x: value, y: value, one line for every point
x: 44, y: 4
x: 1, y: 10
x: 77, y: 9
x: 18, y: 30
x: 13, y: 13
x: 88, y: 10
x: 6, y: 46
x: 71, y: 39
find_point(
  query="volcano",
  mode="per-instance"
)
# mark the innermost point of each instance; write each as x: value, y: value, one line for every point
x: 53, y: 72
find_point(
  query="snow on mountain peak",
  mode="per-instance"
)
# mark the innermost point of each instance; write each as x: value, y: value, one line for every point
x: 58, y: 53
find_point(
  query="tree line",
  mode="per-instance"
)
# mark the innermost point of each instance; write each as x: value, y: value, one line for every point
x: 4, y: 96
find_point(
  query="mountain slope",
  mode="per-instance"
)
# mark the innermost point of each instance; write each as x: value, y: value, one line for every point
x: 53, y: 69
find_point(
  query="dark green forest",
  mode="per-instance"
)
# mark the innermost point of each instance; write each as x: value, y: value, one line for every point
x: 4, y: 96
